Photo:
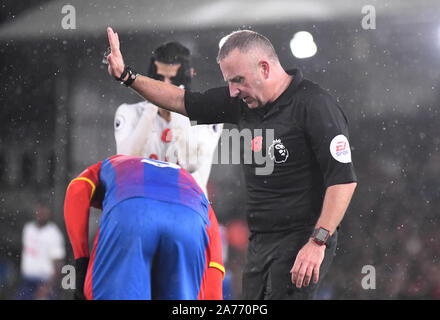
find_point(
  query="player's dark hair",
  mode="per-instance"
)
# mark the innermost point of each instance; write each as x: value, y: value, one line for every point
x: 173, y: 53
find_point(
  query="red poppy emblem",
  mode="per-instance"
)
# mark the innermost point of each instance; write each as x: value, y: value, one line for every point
x: 257, y: 143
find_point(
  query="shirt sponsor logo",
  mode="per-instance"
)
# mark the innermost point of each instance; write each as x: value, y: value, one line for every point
x: 167, y: 136
x: 341, y: 146
x: 340, y: 149
x: 278, y: 151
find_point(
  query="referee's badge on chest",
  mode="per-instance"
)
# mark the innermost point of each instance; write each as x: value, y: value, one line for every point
x: 278, y: 151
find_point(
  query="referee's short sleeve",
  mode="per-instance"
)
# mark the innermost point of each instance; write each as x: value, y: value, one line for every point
x: 327, y: 128
x: 212, y: 106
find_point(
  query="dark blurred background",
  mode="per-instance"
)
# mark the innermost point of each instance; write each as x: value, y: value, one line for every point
x: 58, y: 102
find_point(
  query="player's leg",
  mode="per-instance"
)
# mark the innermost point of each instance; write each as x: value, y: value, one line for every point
x: 180, y: 259
x: 122, y: 263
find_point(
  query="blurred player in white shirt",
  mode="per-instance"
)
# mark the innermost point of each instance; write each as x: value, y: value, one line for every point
x: 42, y: 256
x: 142, y: 129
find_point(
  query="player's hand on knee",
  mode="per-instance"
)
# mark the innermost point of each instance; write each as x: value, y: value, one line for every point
x: 307, y: 264
x: 114, y: 59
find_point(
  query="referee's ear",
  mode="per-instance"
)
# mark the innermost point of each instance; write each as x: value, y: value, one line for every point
x: 192, y: 72
x: 264, y: 67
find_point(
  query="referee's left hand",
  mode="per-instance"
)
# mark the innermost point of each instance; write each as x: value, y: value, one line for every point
x: 307, y: 263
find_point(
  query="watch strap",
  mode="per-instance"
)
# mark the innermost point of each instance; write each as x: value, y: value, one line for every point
x: 131, y: 77
x: 123, y: 75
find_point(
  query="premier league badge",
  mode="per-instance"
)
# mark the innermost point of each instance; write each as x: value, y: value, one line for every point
x: 278, y: 151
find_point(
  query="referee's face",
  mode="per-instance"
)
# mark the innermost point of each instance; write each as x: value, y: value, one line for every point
x: 240, y: 70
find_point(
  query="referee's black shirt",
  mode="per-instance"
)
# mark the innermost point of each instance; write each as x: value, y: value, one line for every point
x: 309, y: 149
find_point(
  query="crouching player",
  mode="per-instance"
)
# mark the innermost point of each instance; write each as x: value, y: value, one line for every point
x: 158, y: 236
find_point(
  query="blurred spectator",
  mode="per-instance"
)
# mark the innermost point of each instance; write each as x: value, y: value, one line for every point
x: 237, y: 234
x: 227, y: 280
x: 43, y: 253
x: 237, y: 237
x: 7, y: 277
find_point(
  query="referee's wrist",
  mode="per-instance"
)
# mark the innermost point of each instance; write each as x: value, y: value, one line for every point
x: 312, y: 240
x: 127, y: 77
x: 124, y: 75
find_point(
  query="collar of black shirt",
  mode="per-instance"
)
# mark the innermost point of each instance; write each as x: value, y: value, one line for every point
x: 286, y: 97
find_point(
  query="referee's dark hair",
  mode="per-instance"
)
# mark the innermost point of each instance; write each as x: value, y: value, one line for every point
x: 246, y: 41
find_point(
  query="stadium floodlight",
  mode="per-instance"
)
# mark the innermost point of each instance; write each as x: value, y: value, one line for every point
x: 302, y: 45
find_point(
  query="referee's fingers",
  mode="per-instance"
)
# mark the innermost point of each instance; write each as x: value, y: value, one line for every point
x: 301, y: 274
x: 114, y: 43
x: 117, y: 40
x: 111, y: 39
x: 294, y: 271
x: 316, y: 274
x: 308, y: 275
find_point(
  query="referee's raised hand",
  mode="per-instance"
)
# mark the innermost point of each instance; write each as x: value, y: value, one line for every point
x: 115, y: 60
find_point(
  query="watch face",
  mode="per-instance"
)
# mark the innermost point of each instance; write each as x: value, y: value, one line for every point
x: 321, y: 235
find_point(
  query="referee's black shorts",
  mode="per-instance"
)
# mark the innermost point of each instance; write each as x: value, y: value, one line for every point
x: 269, y: 259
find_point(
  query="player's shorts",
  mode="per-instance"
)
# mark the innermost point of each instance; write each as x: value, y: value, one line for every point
x: 147, y: 249
x: 269, y: 259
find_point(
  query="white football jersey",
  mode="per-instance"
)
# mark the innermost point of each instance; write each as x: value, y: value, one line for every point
x: 141, y: 131
x: 41, y: 246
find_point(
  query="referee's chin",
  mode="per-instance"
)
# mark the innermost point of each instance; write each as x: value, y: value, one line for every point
x: 255, y: 104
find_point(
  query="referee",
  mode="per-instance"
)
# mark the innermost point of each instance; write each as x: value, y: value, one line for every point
x: 294, y: 212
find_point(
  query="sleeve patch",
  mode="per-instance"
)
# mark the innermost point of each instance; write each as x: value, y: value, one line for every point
x: 340, y: 149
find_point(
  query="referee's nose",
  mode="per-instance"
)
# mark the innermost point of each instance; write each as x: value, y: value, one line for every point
x: 234, y: 91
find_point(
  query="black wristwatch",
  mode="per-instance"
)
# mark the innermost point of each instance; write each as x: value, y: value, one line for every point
x: 131, y: 76
x: 321, y: 236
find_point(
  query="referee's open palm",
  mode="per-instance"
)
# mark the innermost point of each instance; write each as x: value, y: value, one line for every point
x: 307, y: 264
x: 115, y: 60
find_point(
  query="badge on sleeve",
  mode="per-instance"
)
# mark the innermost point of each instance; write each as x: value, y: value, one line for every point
x: 340, y: 149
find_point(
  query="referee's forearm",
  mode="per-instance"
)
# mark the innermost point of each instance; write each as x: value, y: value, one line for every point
x: 336, y: 201
x: 161, y: 94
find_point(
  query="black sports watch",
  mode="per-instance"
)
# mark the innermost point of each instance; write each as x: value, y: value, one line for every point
x: 320, y: 236
x: 131, y: 76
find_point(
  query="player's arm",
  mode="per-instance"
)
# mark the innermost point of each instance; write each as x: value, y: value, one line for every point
x: 134, y: 143
x: 194, y: 146
x: 207, y: 140
x: 78, y: 200
x: 143, y: 130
